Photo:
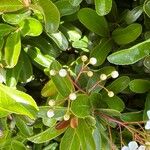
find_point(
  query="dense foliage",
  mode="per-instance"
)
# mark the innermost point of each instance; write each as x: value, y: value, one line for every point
x: 74, y: 75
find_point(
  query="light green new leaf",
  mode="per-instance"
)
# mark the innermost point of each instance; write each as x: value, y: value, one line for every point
x: 126, y: 35
x: 30, y: 27
x: 85, y: 135
x: 130, y: 55
x: 10, y: 5
x: 146, y: 7
x: 15, y: 144
x: 75, y: 2
x: 5, y: 29
x: 139, y: 85
x: 12, y: 49
x: 91, y: 20
x: 15, y: 101
x: 101, y: 51
x: 46, y: 136
x: 103, y: 7
x: 73, y: 144
x: 81, y: 107
x: 50, y: 13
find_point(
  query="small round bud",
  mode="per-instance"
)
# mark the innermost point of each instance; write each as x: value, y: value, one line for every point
x: 66, y: 117
x: 50, y: 113
x: 93, y: 61
x: 52, y: 72
x: 114, y: 74
x: 51, y: 103
x: 89, y: 73
x: 103, y: 77
x: 72, y: 96
x: 84, y: 58
x: 111, y: 94
x: 62, y: 72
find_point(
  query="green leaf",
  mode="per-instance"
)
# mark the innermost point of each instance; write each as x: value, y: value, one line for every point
x: 146, y: 7
x: 73, y: 144
x: 132, y: 116
x: 3, y: 113
x: 81, y: 107
x: 130, y: 55
x: 126, y: 35
x: 97, y: 139
x: 5, y: 29
x: 10, y: 5
x: 101, y: 51
x: 12, y: 49
x: 84, y: 133
x: 75, y: 2
x: 139, y: 85
x: 63, y: 84
x: 15, y: 18
x: 46, y: 136
x: 110, y: 112
x: 65, y: 8
x: 133, y: 15
x: 15, y: 101
x: 30, y: 27
x: 51, y: 15
x: 91, y: 20
x: 103, y: 7
x: 17, y: 145
x: 147, y: 107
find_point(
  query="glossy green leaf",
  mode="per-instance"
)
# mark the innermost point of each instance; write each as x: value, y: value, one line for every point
x: 109, y: 112
x: 146, y: 7
x: 1, y: 47
x: 17, y: 145
x: 130, y: 55
x: 73, y: 144
x: 30, y: 27
x: 97, y: 139
x: 139, y: 85
x: 15, y: 101
x: 10, y: 5
x: 101, y: 51
x: 3, y: 113
x: 15, y: 18
x: 91, y: 20
x: 132, y: 117
x: 147, y: 107
x: 126, y: 35
x: 5, y: 29
x: 46, y: 136
x: 12, y: 49
x: 60, y: 40
x: 63, y: 84
x: 103, y: 7
x: 133, y: 15
x: 147, y: 62
x: 65, y: 8
x: 75, y: 2
x: 84, y: 133
x: 81, y: 107
x: 51, y: 15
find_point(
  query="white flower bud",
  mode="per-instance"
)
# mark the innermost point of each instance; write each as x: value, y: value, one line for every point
x: 89, y: 73
x: 93, y: 61
x: 111, y: 94
x: 66, y: 117
x: 147, y: 125
x: 51, y: 103
x: 52, y: 72
x: 103, y: 77
x: 50, y: 113
x: 84, y: 58
x: 72, y: 96
x: 114, y: 74
x: 62, y: 72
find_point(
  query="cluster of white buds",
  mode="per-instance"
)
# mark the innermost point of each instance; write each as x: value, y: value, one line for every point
x: 61, y: 72
x: 72, y: 96
x: 66, y: 117
x: 111, y: 93
x: 50, y: 113
x: 51, y: 103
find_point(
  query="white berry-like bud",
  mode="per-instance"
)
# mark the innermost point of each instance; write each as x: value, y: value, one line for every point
x: 89, y: 73
x: 84, y: 58
x: 72, y: 96
x: 62, y: 72
x: 52, y: 72
x: 93, y: 61
x: 50, y: 113
x: 103, y: 77
x: 66, y: 117
x: 51, y: 103
x: 111, y: 94
x: 114, y: 74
